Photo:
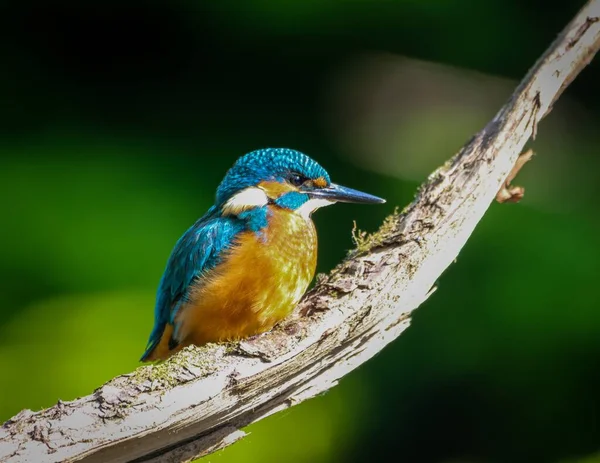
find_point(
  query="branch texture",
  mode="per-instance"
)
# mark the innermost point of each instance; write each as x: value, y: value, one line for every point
x: 196, y: 402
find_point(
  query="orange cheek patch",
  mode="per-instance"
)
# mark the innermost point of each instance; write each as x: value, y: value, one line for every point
x: 320, y: 182
x: 275, y: 189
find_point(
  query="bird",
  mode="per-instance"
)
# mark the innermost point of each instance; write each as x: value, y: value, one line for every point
x: 243, y: 266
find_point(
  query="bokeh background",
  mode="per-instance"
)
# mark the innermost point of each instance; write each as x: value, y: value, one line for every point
x: 119, y: 119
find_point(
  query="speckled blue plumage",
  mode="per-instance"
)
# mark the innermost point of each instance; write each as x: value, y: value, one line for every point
x: 267, y: 164
x: 255, y: 219
x: 205, y: 243
x: 200, y: 249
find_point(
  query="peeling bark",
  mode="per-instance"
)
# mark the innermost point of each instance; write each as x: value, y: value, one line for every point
x: 196, y: 402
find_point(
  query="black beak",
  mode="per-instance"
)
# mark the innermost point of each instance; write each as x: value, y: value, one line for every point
x: 344, y: 194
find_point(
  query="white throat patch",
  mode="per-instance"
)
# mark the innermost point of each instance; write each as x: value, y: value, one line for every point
x: 246, y: 199
x: 312, y: 205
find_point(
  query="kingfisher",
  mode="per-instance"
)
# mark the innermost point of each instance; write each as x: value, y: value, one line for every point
x: 244, y: 265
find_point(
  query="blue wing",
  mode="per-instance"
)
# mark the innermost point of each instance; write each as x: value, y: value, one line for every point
x: 198, y: 250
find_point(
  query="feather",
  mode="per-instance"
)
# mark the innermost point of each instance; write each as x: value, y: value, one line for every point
x: 200, y: 249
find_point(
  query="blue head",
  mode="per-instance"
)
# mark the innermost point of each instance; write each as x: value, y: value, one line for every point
x: 285, y: 178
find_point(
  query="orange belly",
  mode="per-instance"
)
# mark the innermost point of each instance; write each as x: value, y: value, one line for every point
x: 257, y: 285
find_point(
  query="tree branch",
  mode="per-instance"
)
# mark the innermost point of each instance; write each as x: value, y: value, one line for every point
x: 196, y: 402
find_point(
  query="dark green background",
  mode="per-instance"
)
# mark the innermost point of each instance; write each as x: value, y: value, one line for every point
x: 118, y: 121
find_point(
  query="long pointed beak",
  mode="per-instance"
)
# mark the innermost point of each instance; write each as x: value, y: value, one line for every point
x: 344, y: 194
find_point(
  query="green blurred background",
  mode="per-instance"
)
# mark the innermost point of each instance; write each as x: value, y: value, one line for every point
x: 119, y: 119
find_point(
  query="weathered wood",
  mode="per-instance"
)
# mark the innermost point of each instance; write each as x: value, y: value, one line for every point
x: 196, y: 402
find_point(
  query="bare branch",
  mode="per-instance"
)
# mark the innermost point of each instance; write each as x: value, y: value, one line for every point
x: 510, y: 193
x: 196, y: 402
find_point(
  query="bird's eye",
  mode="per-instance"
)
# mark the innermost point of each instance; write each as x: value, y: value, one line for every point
x: 297, y: 179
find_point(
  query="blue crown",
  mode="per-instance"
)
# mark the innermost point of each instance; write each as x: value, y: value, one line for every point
x: 273, y: 164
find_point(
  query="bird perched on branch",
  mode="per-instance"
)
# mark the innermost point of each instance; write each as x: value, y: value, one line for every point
x: 246, y: 263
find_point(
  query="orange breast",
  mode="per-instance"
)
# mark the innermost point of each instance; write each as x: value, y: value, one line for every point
x: 256, y: 286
